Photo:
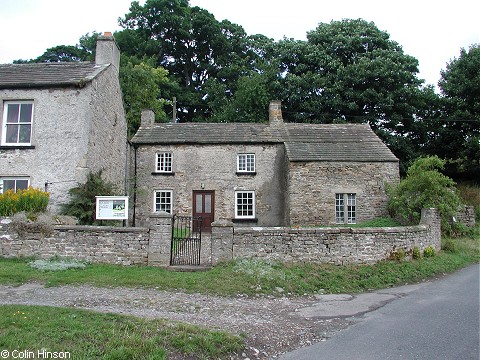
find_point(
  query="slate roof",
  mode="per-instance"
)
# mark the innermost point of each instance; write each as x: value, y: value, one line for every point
x: 303, y: 142
x: 41, y: 75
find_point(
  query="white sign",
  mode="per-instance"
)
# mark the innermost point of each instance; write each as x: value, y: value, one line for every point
x: 111, y: 207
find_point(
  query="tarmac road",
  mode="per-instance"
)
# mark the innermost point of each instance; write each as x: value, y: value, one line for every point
x: 438, y: 320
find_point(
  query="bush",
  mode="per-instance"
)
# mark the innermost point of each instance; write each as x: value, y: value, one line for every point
x: 82, y: 202
x: 424, y: 187
x: 429, y: 251
x: 30, y: 200
x: 416, y: 254
x: 398, y: 255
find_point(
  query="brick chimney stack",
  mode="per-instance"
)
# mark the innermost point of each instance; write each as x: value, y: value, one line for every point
x: 275, y: 112
x: 107, y: 51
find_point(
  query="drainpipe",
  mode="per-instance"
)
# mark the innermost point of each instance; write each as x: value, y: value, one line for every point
x: 135, y: 147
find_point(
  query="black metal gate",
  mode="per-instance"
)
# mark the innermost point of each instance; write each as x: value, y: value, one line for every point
x: 186, y: 240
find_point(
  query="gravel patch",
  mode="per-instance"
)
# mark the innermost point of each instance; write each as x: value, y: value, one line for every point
x: 271, y: 325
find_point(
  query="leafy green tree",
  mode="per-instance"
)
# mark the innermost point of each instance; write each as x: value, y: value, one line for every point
x: 457, y: 135
x: 424, y: 187
x: 82, y: 198
x: 142, y: 87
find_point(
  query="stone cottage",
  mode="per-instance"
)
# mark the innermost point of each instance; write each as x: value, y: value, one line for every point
x: 261, y: 174
x: 61, y: 121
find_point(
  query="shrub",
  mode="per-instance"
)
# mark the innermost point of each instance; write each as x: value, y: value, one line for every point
x: 398, y: 255
x: 416, y: 254
x: 30, y: 200
x: 82, y: 201
x: 424, y: 187
x: 429, y: 251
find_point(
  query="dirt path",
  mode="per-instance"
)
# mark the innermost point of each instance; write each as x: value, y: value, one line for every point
x: 272, y: 325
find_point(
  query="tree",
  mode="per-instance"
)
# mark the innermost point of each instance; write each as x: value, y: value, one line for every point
x: 424, y: 187
x: 192, y: 45
x: 142, y: 87
x: 458, y: 129
x: 82, y: 198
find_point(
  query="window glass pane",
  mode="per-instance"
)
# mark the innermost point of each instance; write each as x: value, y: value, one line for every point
x: 12, y: 134
x: 163, y: 201
x: 24, y: 133
x: 208, y: 203
x: 8, y: 185
x: 198, y: 203
x: 12, y: 115
x: 22, y: 184
x: 26, y: 113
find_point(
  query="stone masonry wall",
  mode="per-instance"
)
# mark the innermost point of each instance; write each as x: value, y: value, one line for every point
x: 97, y: 244
x: 213, y: 168
x: 324, y: 245
x: 143, y: 246
x: 313, y: 186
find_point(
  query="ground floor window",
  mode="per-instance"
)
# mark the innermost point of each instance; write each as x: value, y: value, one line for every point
x: 13, y: 183
x: 245, y: 204
x: 163, y: 200
x: 345, y: 209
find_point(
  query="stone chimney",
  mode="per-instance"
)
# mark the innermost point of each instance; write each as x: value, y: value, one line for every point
x: 107, y: 51
x: 275, y: 112
x: 147, y: 119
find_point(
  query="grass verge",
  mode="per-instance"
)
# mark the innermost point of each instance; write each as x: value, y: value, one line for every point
x: 89, y: 335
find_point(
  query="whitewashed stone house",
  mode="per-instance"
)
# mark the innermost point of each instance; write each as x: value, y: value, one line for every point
x: 259, y: 174
x: 61, y: 121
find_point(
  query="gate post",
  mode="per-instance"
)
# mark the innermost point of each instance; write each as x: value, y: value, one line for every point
x: 160, y: 244
x: 222, y: 241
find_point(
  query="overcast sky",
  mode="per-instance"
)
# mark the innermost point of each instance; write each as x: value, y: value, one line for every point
x: 433, y: 31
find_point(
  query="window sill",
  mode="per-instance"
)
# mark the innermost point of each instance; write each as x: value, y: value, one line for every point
x: 163, y: 173
x: 16, y: 147
x: 252, y: 220
x: 241, y: 173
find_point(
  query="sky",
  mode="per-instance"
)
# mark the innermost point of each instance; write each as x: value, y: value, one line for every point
x: 432, y: 31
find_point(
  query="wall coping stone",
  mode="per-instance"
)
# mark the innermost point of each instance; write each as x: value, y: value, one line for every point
x: 101, y: 228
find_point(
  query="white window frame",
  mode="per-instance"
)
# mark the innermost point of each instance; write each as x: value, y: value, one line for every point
x: 167, y: 206
x: 242, y: 210
x: 14, y: 178
x: 246, y: 163
x: 164, y: 162
x: 6, y: 124
x: 346, y: 208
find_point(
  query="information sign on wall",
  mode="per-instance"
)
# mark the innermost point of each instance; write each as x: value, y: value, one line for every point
x: 111, y: 207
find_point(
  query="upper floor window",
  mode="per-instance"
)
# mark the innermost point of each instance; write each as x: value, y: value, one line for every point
x: 17, y: 123
x: 163, y: 162
x: 163, y: 200
x: 345, y: 209
x: 245, y: 204
x: 246, y: 163
x: 13, y: 183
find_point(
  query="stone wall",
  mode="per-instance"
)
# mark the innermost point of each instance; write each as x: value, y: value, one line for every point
x: 97, y: 244
x: 313, y: 185
x: 151, y: 246
x: 324, y: 245
x: 212, y: 168
x: 466, y: 215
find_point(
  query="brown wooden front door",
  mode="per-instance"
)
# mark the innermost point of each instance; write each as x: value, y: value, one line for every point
x: 204, y: 206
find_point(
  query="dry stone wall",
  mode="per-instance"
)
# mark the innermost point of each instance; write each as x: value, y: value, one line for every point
x: 152, y: 246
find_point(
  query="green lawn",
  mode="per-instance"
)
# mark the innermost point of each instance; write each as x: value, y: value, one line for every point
x: 89, y: 335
